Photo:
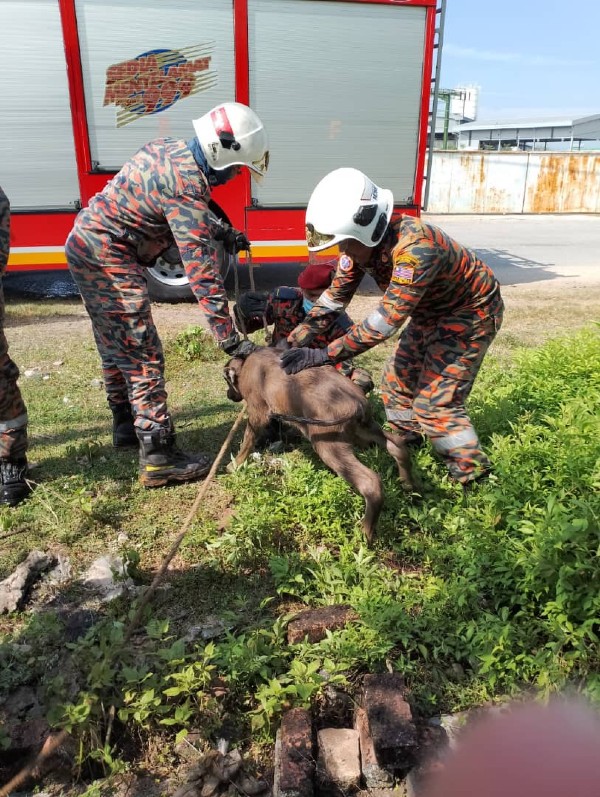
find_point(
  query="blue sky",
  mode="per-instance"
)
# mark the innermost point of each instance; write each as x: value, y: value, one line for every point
x: 529, y: 57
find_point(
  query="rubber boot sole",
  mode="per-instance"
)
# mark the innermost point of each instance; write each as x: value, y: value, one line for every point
x: 15, y: 496
x: 151, y: 480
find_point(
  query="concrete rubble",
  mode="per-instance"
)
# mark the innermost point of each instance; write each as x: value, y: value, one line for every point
x: 107, y: 577
x: 215, y: 773
x: 14, y: 588
x: 339, y: 758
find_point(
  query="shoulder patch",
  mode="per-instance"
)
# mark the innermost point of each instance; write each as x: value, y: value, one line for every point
x: 345, y: 263
x: 403, y: 272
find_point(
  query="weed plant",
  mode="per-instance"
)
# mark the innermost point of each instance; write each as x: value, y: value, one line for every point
x: 472, y: 597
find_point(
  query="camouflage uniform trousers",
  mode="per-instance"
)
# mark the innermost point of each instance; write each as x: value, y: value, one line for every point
x: 116, y: 299
x: 13, y: 413
x: 428, y: 379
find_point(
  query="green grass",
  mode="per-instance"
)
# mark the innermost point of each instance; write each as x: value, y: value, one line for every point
x: 472, y: 598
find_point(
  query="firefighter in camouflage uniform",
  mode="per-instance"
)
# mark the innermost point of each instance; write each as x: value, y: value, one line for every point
x: 452, y: 299
x: 14, y: 486
x: 160, y: 194
x: 286, y: 307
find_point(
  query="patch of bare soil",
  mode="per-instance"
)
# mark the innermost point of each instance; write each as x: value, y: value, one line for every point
x: 535, y: 312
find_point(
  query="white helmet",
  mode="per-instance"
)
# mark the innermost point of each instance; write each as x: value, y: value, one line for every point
x: 232, y: 135
x: 346, y: 204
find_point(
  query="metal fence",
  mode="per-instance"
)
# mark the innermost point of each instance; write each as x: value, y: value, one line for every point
x: 515, y: 182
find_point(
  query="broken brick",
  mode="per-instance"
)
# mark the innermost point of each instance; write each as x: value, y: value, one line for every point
x: 375, y: 776
x: 314, y: 623
x: 390, y: 720
x: 294, y: 756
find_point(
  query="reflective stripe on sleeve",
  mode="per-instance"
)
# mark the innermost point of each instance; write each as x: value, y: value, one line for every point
x: 466, y: 437
x: 399, y: 415
x: 15, y: 423
x: 377, y: 322
x: 325, y: 300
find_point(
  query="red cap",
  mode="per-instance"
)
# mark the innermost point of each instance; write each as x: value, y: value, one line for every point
x: 316, y: 277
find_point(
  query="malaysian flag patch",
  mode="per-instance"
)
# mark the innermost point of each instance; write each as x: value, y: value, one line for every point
x: 403, y: 274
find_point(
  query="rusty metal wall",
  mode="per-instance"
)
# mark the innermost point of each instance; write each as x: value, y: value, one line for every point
x: 515, y: 182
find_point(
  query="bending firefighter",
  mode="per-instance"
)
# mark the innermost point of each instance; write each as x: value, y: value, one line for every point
x: 14, y: 486
x: 286, y: 307
x: 452, y: 298
x: 161, y: 193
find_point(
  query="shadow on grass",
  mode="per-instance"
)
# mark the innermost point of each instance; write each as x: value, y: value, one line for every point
x: 79, y: 443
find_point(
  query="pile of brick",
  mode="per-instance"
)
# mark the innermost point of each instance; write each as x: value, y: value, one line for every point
x: 384, y: 750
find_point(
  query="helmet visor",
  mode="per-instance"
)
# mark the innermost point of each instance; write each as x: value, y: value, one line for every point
x: 259, y: 167
x: 315, y: 239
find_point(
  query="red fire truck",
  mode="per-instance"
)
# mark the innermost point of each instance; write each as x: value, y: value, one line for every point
x: 84, y: 83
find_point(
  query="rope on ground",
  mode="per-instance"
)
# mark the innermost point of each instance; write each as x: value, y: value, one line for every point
x: 54, y: 742
x: 184, y: 530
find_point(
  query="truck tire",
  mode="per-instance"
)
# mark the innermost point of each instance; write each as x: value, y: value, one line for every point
x: 167, y: 280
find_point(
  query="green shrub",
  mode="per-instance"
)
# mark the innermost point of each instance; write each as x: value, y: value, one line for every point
x: 470, y: 597
x: 195, y: 344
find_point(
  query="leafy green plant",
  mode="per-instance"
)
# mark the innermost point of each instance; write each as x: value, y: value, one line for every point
x: 195, y: 344
x: 470, y: 597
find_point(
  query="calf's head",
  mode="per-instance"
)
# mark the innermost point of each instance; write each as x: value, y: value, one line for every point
x: 232, y: 372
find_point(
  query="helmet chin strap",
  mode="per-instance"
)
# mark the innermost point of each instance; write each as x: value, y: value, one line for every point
x: 215, y: 177
x: 218, y: 177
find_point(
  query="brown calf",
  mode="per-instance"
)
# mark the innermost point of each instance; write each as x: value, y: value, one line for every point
x: 328, y: 409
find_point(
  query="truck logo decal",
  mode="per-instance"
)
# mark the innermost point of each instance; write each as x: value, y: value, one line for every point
x: 155, y: 80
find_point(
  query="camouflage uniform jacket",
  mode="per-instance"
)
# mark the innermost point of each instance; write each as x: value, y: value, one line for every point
x: 160, y: 192
x: 284, y: 310
x: 4, y: 231
x: 422, y: 272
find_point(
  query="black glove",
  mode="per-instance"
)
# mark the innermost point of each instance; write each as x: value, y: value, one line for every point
x: 230, y: 344
x: 244, y: 350
x: 295, y: 360
x: 235, y: 347
x: 233, y: 240
x: 249, y: 310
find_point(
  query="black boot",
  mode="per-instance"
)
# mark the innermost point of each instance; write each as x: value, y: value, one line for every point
x: 161, y: 462
x: 15, y: 488
x: 123, y: 430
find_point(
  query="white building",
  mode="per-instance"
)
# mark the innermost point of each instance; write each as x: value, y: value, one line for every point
x: 554, y: 134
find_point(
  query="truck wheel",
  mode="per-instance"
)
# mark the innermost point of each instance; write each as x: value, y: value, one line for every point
x: 168, y: 282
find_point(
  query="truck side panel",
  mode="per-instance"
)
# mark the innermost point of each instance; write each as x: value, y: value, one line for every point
x: 37, y: 152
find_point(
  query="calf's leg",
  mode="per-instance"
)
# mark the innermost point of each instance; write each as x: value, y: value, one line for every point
x: 339, y: 456
x: 248, y: 442
x: 374, y: 434
x: 399, y: 451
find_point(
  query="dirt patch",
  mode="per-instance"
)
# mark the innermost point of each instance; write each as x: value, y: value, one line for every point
x: 535, y: 311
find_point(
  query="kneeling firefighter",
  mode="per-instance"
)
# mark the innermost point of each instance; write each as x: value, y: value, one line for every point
x: 286, y: 307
